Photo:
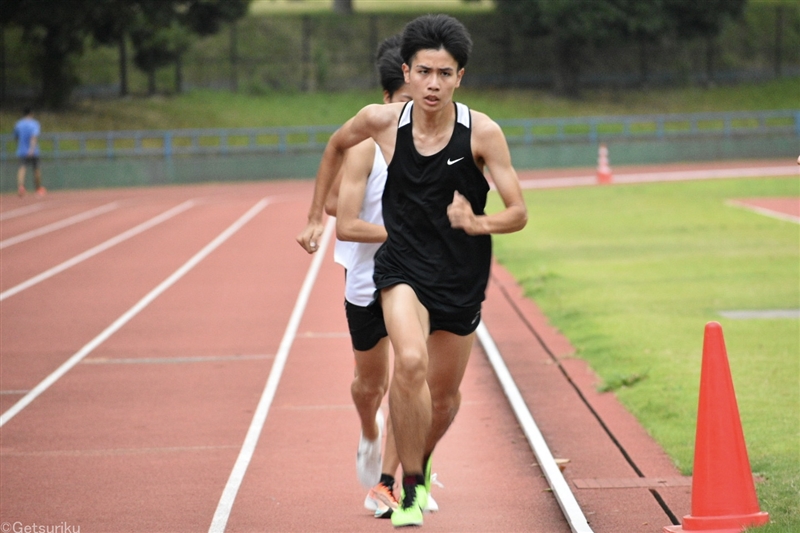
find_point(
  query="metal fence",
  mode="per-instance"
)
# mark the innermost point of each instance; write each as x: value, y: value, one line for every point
x: 176, y: 143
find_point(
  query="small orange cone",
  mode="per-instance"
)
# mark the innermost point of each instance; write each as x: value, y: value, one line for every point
x: 603, y: 167
x: 723, y: 493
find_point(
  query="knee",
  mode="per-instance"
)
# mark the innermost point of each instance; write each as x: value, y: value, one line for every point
x: 365, y: 389
x: 410, y: 369
x: 446, y: 407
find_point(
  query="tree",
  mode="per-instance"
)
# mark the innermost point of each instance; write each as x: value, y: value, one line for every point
x: 158, y: 38
x: 160, y: 31
x: 693, y: 19
x: 572, y: 25
x: 57, y: 31
x: 344, y: 7
x: 112, y: 23
x: 645, y: 23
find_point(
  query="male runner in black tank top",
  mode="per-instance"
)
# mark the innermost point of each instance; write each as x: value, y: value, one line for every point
x: 431, y: 345
x: 447, y: 268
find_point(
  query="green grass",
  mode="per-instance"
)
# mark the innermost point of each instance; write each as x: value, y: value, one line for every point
x: 213, y: 109
x: 631, y: 274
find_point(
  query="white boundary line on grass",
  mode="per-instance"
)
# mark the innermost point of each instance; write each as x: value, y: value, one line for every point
x: 113, y: 241
x: 765, y: 211
x: 80, y: 217
x: 132, y: 312
x: 652, y: 177
x: 225, y: 505
x: 569, y: 505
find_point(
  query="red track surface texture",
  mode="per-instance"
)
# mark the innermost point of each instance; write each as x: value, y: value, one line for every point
x: 171, y: 351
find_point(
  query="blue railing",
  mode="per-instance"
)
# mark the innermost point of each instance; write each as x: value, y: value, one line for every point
x: 169, y: 143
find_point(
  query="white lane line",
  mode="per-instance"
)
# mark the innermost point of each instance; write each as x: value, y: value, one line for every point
x: 761, y: 314
x: 223, y: 512
x: 132, y: 312
x: 80, y: 217
x: 681, y: 175
x: 569, y: 505
x: 766, y: 212
x: 174, y: 360
x: 20, y: 211
x: 158, y: 219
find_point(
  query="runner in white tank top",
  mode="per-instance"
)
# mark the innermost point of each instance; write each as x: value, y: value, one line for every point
x: 356, y: 201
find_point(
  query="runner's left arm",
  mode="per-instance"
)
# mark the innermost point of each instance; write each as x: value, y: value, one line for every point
x: 490, y: 147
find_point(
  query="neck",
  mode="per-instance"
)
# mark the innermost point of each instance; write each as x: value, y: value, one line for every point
x: 434, y: 121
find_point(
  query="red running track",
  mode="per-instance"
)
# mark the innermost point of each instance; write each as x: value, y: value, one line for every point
x: 170, y: 352
x: 142, y: 433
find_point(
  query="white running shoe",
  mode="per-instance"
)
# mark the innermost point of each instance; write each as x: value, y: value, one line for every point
x: 432, y: 506
x: 368, y: 458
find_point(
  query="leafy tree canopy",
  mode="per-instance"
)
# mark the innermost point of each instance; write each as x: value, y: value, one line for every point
x: 159, y: 29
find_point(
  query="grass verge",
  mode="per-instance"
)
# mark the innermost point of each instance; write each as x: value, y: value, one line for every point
x: 632, y: 273
x: 217, y: 109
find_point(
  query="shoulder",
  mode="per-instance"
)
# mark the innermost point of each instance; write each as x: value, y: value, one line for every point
x: 486, y: 133
x: 483, y: 125
x: 381, y: 115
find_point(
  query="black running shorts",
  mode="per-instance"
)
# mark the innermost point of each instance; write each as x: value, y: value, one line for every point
x: 461, y: 324
x: 32, y: 160
x: 366, y: 329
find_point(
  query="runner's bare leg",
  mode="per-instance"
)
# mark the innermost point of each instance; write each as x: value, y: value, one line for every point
x: 409, y: 397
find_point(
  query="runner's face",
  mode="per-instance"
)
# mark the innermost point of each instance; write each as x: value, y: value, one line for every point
x: 433, y: 77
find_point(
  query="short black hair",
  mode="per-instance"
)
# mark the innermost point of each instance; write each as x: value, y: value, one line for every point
x: 389, y: 64
x: 26, y: 111
x: 434, y: 32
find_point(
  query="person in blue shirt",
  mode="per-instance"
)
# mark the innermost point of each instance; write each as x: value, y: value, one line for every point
x: 26, y: 132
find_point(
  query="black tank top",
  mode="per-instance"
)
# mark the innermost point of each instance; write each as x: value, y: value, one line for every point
x: 447, y: 268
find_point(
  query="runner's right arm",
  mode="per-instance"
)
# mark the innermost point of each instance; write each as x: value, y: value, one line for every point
x: 359, y: 128
x: 355, y: 173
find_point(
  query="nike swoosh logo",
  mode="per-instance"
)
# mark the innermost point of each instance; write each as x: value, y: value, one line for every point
x: 449, y: 162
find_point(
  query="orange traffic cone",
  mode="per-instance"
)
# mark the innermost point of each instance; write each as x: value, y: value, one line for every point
x: 603, y: 167
x: 723, y: 493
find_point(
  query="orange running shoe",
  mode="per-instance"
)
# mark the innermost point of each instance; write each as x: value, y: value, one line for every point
x: 381, y: 501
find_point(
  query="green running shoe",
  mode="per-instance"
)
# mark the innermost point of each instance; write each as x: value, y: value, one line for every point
x: 409, y: 512
x: 428, y: 467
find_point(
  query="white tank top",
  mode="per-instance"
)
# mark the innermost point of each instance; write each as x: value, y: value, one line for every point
x: 358, y: 257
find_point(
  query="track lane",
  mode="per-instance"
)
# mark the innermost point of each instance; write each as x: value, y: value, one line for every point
x: 302, y: 475
x: 45, y: 325
x: 157, y: 455
x: 105, y: 245
x: 30, y: 258
x: 592, y: 430
x: 141, y: 441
